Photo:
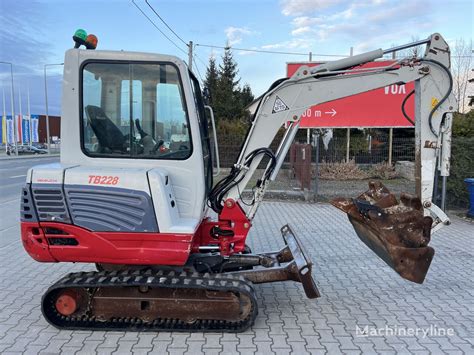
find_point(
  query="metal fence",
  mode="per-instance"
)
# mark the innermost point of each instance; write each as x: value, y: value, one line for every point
x: 365, y: 153
x: 372, y: 150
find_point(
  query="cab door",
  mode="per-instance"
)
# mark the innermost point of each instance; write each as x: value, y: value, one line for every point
x: 204, y: 133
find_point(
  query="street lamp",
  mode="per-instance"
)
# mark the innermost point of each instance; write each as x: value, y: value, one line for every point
x: 12, y: 99
x: 46, y: 103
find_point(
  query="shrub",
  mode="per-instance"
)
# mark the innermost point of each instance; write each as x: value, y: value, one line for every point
x: 234, y: 130
x: 462, y: 167
x: 384, y: 171
x: 462, y: 159
x: 341, y: 171
x: 463, y: 124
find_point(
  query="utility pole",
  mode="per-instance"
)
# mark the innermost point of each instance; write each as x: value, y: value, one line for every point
x: 4, y: 127
x: 190, y: 55
x: 316, y: 175
x: 46, y: 103
x: 348, y: 145
x: 47, y: 114
x: 20, y: 118
x: 390, y: 132
x: 12, y: 100
x: 30, y: 137
x: 308, y: 130
x: 348, y: 134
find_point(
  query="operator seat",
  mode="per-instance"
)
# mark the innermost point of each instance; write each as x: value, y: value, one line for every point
x: 107, y: 133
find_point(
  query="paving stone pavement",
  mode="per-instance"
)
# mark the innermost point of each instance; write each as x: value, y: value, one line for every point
x: 358, y: 290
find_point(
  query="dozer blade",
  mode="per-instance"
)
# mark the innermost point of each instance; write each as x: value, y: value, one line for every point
x: 304, y: 265
x: 290, y: 263
x: 397, y: 231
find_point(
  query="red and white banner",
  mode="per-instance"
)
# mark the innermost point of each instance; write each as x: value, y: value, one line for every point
x: 376, y: 108
x: 18, y: 124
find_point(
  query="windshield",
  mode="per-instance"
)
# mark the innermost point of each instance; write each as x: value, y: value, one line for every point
x: 134, y: 110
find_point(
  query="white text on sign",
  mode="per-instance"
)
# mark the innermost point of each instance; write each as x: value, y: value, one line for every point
x: 395, y: 89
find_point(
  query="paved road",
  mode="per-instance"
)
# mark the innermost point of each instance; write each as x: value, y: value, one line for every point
x: 12, y: 178
x: 358, y: 290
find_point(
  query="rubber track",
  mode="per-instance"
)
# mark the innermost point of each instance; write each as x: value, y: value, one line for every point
x: 157, y: 279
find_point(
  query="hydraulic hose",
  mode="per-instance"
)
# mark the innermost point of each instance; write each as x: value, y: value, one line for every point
x: 219, y: 191
x: 403, y: 107
x: 445, y: 97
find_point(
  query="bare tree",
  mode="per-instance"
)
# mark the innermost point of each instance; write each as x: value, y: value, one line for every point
x: 461, y: 67
x: 416, y: 51
x: 412, y: 52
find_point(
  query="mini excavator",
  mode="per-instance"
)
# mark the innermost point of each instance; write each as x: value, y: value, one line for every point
x: 134, y: 194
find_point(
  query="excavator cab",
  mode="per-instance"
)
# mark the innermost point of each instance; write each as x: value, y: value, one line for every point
x: 136, y: 159
x: 150, y: 112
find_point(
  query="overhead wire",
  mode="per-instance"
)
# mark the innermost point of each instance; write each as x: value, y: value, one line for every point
x: 214, y: 46
x: 154, y: 25
x: 197, y: 69
x: 199, y: 58
x: 270, y: 52
x: 196, y: 56
x: 166, y: 24
x: 174, y: 32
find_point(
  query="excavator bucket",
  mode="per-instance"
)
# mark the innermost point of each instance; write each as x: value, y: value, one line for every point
x: 397, y: 231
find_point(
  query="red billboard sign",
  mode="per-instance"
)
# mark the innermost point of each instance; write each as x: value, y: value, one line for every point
x: 376, y: 108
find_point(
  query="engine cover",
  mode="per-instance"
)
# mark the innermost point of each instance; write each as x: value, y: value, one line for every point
x: 107, y: 215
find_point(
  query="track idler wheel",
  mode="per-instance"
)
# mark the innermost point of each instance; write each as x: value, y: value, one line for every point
x: 71, y: 302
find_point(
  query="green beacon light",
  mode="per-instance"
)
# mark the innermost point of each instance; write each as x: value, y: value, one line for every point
x: 79, y: 38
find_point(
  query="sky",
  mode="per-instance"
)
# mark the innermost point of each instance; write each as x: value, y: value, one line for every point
x: 38, y: 32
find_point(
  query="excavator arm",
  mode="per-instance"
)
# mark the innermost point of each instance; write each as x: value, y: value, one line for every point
x: 288, y: 98
x: 397, y: 231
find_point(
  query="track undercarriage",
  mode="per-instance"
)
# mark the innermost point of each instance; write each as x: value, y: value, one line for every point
x: 204, y: 296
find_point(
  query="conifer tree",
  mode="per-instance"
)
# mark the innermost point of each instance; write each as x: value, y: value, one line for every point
x: 227, y: 105
x: 227, y: 98
x: 211, y: 79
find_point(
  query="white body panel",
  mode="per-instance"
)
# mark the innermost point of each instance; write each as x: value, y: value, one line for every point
x: 166, y: 208
x: 155, y: 183
x: 109, y: 177
x: 47, y: 174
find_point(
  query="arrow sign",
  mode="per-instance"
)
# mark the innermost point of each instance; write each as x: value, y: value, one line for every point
x: 333, y: 112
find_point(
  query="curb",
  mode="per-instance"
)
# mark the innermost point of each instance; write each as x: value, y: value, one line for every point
x: 29, y: 156
x: 286, y: 195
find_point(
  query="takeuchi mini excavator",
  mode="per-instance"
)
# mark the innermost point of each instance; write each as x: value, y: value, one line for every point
x: 134, y: 192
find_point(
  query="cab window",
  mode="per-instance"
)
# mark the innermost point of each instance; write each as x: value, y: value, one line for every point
x: 134, y: 110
